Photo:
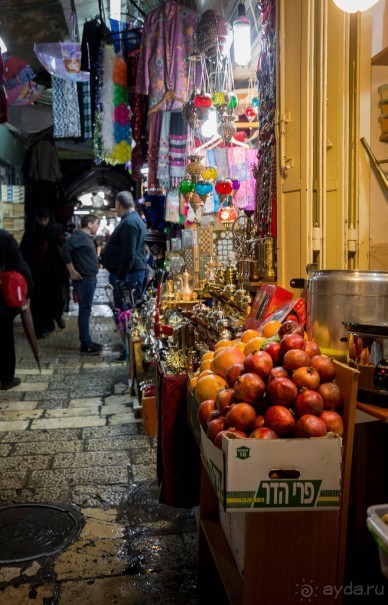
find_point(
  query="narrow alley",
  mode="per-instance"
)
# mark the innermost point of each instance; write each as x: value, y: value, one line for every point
x: 69, y: 440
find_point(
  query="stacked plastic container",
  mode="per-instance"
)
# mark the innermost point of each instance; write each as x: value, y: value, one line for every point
x: 377, y: 522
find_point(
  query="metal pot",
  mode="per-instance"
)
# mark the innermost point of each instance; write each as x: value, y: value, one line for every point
x: 334, y: 297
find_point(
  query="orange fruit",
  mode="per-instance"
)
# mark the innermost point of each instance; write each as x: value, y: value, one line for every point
x: 207, y: 355
x: 192, y: 383
x: 247, y: 335
x: 205, y: 365
x: 240, y: 346
x: 208, y: 386
x: 271, y: 328
x: 205, y: 373
x: 254, y: 344
x: 223, y: 343
x: 228, y: 356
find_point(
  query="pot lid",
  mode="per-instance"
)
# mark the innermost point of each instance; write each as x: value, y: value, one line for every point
x: 378, y: 328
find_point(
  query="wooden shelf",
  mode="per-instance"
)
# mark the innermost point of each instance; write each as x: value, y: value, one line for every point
x: 373, y: 410
x: 381, y: 58
x: 384, y: 138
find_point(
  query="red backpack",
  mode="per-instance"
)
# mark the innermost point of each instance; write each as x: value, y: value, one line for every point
x: 13, y: 288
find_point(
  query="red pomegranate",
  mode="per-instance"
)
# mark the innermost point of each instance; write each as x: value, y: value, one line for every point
x: 325, y: 367
x: 273, y: 349
x: 333, y: 422
x: 296, y: 358
x: 306, y: 377
x: 281, y: 391
x: 212, y: 416
x: 259, y: 422
x: 280, y: 420
x: 308, y: 402
x: 231, y: 433
x: 259, y: 362
x: 310, y: 426
x: 204, y: 410
x: 291, y: 341
x: 233, y: 373
x: 249, y: 388
x: 224, y: 398
x: 278, y: 372
x: 312, y: 348
x: 241, y: 416
x: 214, y: 427
x: 331, y: 395
x: 290, y: 327
x: 263, y: 433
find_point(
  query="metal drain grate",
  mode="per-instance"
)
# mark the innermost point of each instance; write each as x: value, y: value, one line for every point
x: 30, y: 531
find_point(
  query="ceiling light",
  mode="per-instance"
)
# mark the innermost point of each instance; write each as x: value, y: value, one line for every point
x: 3, y: 48
x: 242, y: 37
x: 352, y: 6
x: 115, y: 9
x: 86, y: 199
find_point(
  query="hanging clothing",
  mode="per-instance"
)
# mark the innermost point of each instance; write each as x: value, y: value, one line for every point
x: 67, y: 122
x: 241, y: 162
x: 3, y: 94
x: 44, y: 164
x: 167, y: 43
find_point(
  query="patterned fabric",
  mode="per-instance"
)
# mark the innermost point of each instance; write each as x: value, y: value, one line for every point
x: 85, y: 109
x: 163, y: 174
x: 154, y: 126
x: 66, y: 114
x: 167, y: 43
x: 241, y: 162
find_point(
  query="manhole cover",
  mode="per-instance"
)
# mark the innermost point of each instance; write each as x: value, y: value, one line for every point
x: 29, y: 531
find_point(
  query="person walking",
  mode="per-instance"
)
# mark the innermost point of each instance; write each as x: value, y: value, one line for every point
x: 80, y: 256
x: 40, y: 246
x: 124, y: 254
x: 10, y: 260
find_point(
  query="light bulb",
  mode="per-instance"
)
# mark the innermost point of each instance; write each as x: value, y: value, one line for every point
x: 352, y: 6
x: 209, y: 127
x: 242, y: 37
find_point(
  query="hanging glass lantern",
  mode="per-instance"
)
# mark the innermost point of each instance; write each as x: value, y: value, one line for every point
x: 203, y: 188
x: 195, y: 168
x: 210, y: 173
x: 251, y: 112
x: 227, y: 128
x: 236, y: 186
x: 186, y: 186
x: 227, y: 214
x: 202, y: 100
x: 255, y: 102
x: 224, y: 187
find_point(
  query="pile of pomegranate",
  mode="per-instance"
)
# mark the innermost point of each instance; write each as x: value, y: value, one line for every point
x: 286, y: 389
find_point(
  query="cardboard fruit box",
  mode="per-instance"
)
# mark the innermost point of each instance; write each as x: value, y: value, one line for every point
x: 254, y: 475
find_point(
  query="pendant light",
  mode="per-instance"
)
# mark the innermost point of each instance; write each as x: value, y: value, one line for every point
x: 352, y: 6
x: 242, y: 36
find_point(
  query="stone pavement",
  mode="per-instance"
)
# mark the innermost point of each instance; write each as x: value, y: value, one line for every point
x: 68, y: 436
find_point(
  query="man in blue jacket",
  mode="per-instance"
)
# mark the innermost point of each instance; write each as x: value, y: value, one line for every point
x: 124, y: 253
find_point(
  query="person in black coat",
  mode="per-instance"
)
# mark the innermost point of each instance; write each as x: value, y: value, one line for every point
x: 41, y: 248
x: 10, y: 260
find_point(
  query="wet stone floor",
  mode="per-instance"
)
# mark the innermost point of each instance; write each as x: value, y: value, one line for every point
x: 69, y: 437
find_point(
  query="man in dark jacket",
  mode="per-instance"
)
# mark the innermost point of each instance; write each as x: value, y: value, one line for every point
x: 80, y: 256
x: 10, y: 260
x: 124, y: 254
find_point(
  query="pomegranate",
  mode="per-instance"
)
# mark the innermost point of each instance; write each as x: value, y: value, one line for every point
x: 249, y: 388
x: 308, y: 402
x: 214, y: 427
x: 296, y: 358
x: 325, y: 367
x: 306, y: 377
x: 241, y: 416
x: 259, y: 422
x: 259, y: 362
x: 231, y: 433
x: 310, y: 426
x: 312, y: 348
x: 204, y: 410
x: 233, y: 373
x: 331, y: 395
x: 282, y: 391
x: 333, y: 422
x: 212, y: 416
x: 291, y: 341
x: 278, y: 372
x: 263, y: 433
x: 280, y: 420
x: 223, y: 399
x: 290, y: 327
x: 273, y: 349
